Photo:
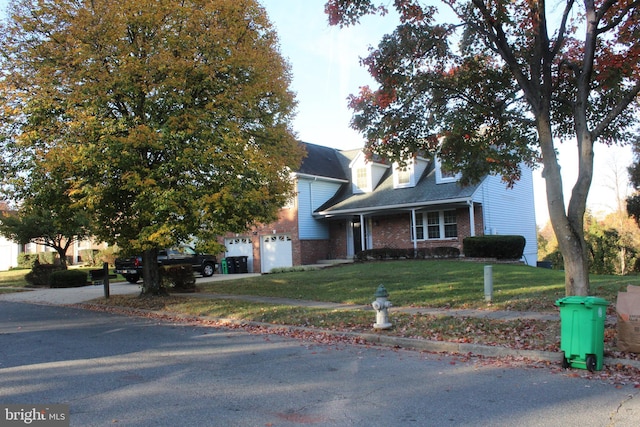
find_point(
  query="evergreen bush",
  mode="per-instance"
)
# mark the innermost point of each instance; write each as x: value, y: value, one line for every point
x: 494, y: 246
x: 68, y: 279
x: 40, y: 273
x: 178, y: 278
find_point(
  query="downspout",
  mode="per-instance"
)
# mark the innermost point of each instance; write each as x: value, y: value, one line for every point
x: 414, y: 232
x: 472, y: 219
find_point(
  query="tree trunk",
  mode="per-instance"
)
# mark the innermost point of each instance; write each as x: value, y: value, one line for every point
x: 151, y: 284
x: 62, y: 255
x: 568, y: 227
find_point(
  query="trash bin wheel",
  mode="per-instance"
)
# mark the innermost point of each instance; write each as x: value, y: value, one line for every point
x: 565, y: 363
x: 591, y: 362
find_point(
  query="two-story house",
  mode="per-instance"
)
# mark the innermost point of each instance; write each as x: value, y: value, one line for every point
x: 346, y: 203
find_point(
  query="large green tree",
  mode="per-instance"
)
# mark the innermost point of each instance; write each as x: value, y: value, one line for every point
x: 172, y: 118
x: 502, y: 83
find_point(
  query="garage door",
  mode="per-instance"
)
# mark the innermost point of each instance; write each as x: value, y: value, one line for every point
x: 275, y: 252
x: 240, y: 246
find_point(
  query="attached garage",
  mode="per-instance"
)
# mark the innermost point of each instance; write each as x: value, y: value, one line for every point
x: 240, y: 246
x: 276, y: 251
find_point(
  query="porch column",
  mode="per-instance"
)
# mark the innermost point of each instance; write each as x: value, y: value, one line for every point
x: 414, y: 232
x: 363, y: 236
x: 472, y: 220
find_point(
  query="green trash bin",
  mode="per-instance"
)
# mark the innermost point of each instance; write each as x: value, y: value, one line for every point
x: 225, y: 267
x: 582, y: 331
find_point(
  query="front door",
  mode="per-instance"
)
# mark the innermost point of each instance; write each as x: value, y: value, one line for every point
x: 355, y: 235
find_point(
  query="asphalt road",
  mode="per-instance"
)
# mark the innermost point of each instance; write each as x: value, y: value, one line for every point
x: 118, y: 371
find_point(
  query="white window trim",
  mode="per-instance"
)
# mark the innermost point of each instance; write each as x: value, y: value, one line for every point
x: 425, y: 226
x: 356, y: 187
x: 410, y: 168
x: 440, y: 179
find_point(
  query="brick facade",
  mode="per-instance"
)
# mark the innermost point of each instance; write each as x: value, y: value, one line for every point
x: 287, y: 224
x: 392, y: 231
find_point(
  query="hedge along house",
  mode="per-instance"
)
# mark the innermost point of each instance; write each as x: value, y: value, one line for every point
x: 346, y: 203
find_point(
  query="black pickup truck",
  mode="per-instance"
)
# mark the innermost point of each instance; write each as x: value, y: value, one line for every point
x: 131, y: 268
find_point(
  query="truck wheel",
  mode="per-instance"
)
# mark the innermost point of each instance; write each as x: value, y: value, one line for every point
x: 208, y: 269
x: 132, y: 278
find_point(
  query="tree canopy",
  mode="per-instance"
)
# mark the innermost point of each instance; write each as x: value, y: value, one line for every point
x: 498, y: 86
x: 171, y: 119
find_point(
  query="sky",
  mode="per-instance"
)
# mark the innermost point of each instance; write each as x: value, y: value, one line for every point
x: 325, y: 64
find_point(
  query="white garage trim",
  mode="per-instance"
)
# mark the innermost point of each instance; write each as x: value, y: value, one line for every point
x: 240, y: 246
x: 276, y: 251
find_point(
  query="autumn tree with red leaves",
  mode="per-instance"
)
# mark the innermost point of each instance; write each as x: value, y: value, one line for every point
x: 500, y: 86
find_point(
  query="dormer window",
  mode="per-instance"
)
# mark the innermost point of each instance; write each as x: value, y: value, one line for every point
x: 366, y: 174
x: 443, y: 175
x: 409, y: 174
x: 362, y: 178
x: 403, y: 176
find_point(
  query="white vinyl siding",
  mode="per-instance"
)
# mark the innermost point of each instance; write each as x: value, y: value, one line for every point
x: 510, y: 211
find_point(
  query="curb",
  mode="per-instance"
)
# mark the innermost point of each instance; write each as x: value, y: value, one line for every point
x: 386, y: 340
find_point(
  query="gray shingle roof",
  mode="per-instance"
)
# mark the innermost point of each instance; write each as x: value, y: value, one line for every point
x: 384, y: 196
x: 322, y: 161
x: 333, y: 163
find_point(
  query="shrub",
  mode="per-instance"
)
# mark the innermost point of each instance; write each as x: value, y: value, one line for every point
x: 396, y: 253
x: 67, y: 279
x: 494, y: 246
x: 48, y: 258
x: 294, y: 269
x: 39, y: 274
x: 178, y: 278
x: 27, y: 260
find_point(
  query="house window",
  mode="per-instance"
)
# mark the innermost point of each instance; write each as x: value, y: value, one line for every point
x: 419, y: 228
x: 438, y: 224
x: 361, y: 178
x: 444, y: 175
x: 404, y: 176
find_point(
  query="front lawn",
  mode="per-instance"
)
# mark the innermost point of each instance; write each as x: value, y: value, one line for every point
x: 449, y: 284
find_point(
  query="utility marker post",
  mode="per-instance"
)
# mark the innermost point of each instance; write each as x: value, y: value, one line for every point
x: 488, y: 283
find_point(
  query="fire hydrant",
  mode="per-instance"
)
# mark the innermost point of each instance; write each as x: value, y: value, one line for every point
x: 381, y: 306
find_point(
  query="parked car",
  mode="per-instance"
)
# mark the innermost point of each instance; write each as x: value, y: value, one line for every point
x: 205, y: 264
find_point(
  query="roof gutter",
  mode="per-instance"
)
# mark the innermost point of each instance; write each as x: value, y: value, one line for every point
x: 319, y: 178
x: 408, y: 206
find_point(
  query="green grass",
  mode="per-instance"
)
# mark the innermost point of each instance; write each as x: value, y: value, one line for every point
x: 523, y: 334
x: 12, y: 279
x: 451, y: 284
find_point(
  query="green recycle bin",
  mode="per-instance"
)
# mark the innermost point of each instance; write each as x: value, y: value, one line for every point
x: 225, y: 267
x: 582, y: 331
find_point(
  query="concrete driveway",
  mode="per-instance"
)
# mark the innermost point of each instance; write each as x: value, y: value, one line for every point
x: 61, y: 296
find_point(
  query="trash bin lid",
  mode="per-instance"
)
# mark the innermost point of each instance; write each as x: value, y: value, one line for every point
x: 587, y: 301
